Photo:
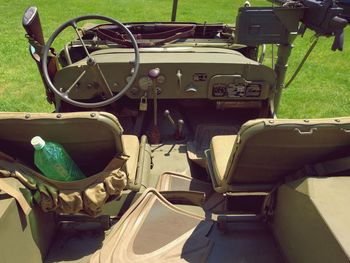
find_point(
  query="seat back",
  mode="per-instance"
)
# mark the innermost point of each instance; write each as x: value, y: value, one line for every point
x: 91, y: 138
x: 267, y: 149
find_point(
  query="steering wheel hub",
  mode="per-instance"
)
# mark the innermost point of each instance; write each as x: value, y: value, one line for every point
x: 91, y: 61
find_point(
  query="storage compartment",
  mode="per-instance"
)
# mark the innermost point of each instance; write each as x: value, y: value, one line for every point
x: 249, y: 203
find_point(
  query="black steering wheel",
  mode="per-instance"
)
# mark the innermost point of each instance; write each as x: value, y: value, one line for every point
x: 90, y: 64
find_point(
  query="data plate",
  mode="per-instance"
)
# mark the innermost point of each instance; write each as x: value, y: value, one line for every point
x: 253, y: 90
x: 234, y: 91
x: 219, y: 90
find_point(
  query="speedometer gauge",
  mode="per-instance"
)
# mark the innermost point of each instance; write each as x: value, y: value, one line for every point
x: 145, y: 83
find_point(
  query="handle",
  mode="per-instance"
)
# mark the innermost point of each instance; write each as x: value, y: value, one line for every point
x: 311, y: 131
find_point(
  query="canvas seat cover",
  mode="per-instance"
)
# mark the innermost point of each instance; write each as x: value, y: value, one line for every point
x: 265, y: 150
x: 91, y: 138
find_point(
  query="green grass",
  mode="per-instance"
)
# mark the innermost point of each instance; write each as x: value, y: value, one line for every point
x: 321, y: 90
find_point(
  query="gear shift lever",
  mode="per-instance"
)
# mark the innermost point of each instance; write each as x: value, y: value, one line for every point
x: 171, y: 120
x: 178, y: 134
x: 155, y: 135
x: 180, y: 126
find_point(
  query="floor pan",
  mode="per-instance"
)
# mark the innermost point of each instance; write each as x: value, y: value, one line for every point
x: 75, y: 243
x: 154, y: 230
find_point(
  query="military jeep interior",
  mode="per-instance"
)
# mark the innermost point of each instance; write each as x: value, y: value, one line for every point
x: 175, y: 127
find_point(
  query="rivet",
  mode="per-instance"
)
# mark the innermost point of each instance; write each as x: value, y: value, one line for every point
x: 27, y: 116
x: 58, y: 115
x: 271, y: 121
x: 337, y: 120
x: 306, y: 121
x: 92, y: 114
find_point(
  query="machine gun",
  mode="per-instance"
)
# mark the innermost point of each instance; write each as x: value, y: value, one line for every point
x: 280, y: 25
x: 324, y: 17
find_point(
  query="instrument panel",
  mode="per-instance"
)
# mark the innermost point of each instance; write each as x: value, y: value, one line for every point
x: 185, y: 73
x: 236, y: 87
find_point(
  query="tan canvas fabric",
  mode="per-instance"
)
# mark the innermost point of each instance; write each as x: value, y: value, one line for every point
x: 267, y: 149
x: 12, y: 190
x: 143, y: 234
x: 131, y: 146
x: 83, y: 196
x: 221, y: 148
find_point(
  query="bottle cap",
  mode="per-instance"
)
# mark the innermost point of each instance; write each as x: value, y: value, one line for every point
x: 37, y: 142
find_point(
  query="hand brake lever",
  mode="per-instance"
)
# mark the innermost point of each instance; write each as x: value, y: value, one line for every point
x: 155, y: 134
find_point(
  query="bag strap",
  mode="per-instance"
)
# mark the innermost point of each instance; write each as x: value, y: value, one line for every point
x: 15, y: 193
x: 330, y: 167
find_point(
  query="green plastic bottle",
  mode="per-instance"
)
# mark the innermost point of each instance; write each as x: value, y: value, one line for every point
x: 54, y: 162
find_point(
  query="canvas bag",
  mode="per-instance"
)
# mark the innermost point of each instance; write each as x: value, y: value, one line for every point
x: 83, y: 196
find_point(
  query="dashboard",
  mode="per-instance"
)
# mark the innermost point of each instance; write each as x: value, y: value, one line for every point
x: 185, y: 73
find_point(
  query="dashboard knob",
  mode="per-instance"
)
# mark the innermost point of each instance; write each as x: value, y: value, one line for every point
x: 154, y: 73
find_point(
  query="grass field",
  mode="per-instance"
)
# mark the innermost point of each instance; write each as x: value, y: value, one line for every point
x: 321, y: 90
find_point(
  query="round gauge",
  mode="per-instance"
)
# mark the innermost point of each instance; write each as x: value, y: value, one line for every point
x: 145, y: 83
x: 161, y: 79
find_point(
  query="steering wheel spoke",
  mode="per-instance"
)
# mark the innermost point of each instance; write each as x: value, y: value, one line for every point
x: 92, y: 66
x: 107, y: 92
x: 76, y: 29
x: 66, y: 93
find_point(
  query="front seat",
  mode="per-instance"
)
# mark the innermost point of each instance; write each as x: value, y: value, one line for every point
x: 91, y: 138
x: 266, y: 150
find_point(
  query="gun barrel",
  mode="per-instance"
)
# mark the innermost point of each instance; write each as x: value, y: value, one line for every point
x: 32, y: 25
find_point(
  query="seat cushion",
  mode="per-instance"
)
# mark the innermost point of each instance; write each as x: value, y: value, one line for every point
x: 221, y: 148
x: 131, y: 148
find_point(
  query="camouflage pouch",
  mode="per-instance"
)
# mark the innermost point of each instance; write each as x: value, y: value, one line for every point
x: 83, y: 196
